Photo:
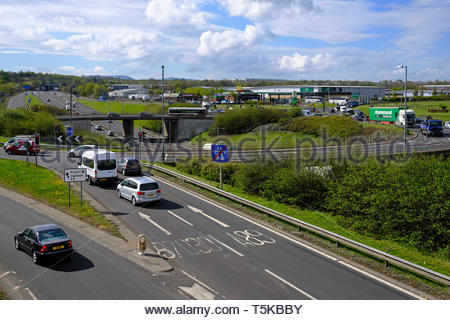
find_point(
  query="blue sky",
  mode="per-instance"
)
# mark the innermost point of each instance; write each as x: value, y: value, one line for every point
x: 217, y: 39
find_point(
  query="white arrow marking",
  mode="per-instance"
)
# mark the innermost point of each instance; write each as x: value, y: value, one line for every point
x: 209, y: 217
x: 76, y: 139
x: 198, y: 292
x: 146, y: 217
x: 290, y: 284
x: 31, y: 294
x: 187, y: 222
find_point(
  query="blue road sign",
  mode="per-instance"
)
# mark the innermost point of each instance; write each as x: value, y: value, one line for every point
x: 69, y: 131
x: 29, y: 100
x: 219, y: 153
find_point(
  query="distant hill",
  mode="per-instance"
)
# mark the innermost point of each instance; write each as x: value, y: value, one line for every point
x: 122, y: 77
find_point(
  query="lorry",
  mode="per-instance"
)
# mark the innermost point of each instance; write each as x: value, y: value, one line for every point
x: 432, y: 127
x: 392, y: 115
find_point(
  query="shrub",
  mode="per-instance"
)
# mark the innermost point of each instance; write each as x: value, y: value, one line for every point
x: 336, y: 126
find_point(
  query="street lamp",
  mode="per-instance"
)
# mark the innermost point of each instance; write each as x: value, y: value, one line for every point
x: 406, y: 93
x: 162, y: 128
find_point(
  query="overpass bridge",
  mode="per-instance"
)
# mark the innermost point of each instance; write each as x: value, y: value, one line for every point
x: 176, y: 127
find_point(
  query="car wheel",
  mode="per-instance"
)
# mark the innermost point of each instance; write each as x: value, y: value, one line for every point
x: 133, y: 201
x: 35, y: 257
x: 90, y: 181
x: 119, y: 195
x: 17, y: 245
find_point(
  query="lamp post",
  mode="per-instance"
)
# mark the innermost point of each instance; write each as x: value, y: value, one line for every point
x: 162, y: 127
x: 406, y: 93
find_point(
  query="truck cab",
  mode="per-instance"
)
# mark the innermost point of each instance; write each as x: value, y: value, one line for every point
x: 432, y: 127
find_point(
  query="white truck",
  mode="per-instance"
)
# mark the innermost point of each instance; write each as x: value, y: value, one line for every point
x: 410, y: 118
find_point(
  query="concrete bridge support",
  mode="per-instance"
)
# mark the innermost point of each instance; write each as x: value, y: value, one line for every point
x: 185, y: 129
x: 128, y: 128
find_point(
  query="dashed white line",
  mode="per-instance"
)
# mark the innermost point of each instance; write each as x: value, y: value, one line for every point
x: 146, y: 217
x: 31, y: 294
x: 290, y: 284
x: 176, y: 216
x: 5, y: 274
x: 226, y: 246
x: 209, y: 217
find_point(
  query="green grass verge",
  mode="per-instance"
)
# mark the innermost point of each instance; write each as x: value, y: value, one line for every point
x: 330, y: 223
x: 34, y: 100
x: 3, y: 296
x: 47, y: 187
x: 116, y: 106
x: 420, y: 108
x: 287, y: 139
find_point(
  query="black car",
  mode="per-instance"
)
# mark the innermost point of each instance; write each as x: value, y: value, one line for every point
x: 129, y: 166
x: 44, y: 241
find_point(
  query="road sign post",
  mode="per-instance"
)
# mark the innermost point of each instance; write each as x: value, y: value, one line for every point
x: 69, y: 133
x: 219, y: 153
x: 75, y: 175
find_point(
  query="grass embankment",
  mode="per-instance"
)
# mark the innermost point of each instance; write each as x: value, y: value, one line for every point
x: 47, y: 187
x: 420, y: 108
x: 330, y: 223
x: 116, y: 106
x: 287, y: 139
x: 34, y: 100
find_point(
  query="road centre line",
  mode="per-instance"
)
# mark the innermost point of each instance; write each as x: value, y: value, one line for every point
x: 382, y: 281
x: 209, y: 217
x: 226, y: 246
x: 146, y: 217
x: 292, y: 240
x: 290, y: 284
x: 176, y: 216
x: 31, y: 294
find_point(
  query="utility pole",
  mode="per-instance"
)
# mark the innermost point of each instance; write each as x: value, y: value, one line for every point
x: 70, y: 101
x: 162, y: 127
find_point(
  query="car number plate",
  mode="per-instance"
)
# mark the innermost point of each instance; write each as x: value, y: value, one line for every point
x: 58, y: 247
x: 150, y: 195
x: 103, y: 179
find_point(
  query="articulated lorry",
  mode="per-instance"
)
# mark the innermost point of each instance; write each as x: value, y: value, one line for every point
x: 394, y: 115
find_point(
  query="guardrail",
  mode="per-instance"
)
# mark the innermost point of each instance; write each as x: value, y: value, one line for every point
x: 386, y: 257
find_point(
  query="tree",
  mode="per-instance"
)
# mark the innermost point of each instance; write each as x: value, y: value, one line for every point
x: 434, y: 91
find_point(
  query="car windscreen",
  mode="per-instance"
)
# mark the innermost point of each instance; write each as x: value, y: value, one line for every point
x: 52, y: 234
x: 106, y: 164
x: 133, y: 162
x: 149, y: 186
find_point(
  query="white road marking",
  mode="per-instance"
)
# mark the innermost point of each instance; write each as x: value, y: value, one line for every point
x: 290, y: 284
x: 226, y: 246
x: 382, y: 281
x: 209, y: 217
x: 176, y: 216
x: 5, y: 274
x: 287, y: 238
x: 146, y: 217
x: 199, y: 282
x: 198, y: 292
x: 31, y: 294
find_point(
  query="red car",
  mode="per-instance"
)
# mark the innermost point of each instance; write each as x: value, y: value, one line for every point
x: 23, y: 147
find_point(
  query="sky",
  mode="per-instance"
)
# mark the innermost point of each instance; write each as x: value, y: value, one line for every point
x: 229, y: 39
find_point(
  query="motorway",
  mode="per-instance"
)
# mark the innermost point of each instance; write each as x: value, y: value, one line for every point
x: 228, y: 255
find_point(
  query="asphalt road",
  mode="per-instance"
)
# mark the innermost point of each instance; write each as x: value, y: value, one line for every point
x: 233, y: 257
x: 93, y: 272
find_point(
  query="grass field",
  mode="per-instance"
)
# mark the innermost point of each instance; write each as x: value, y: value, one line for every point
x: 116, y: 106
x: 34, y: 100
x: 328, y: 222
x: 420, y: 108
x: 287, y: 139
x: 47, y: 187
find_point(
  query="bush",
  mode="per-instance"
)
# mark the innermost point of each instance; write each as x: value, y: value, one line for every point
x: 244, y: 120
x: 21, y: 121
x: 336, y: 126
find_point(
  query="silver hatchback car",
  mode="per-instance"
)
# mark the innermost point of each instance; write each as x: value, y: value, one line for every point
x: 139, y: 190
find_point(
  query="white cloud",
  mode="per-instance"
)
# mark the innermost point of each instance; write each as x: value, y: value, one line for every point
x: 263, y: 9
x: 99, y: 70
x: 218, y: 42
x: 178, y: 14
x: 67, y: 68
x: 303, y: 63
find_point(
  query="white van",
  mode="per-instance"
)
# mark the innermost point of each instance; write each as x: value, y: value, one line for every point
x: 100, y: 165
